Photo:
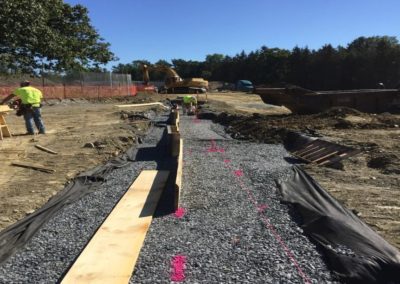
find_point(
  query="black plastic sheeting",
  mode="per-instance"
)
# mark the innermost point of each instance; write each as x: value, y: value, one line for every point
x: 331, y: 226
x: 294, y: 141
x: 15, y: 236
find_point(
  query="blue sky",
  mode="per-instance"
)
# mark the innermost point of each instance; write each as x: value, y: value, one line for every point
x: 191, y: 29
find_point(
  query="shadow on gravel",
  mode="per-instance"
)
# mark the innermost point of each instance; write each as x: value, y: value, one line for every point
x: 166, y: 203
x: 160, y: 155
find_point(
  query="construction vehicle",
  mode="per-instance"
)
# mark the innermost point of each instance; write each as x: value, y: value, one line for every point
x: 244, y: 86
x: 304, y: 101
x: 174, y: 83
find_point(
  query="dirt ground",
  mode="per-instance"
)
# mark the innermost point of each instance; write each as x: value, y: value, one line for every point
x: 368, y: 183
x: 106, y: 129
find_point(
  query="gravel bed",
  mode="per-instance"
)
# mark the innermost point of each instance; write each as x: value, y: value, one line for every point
x: 49, y: 254
x: 223, y: 236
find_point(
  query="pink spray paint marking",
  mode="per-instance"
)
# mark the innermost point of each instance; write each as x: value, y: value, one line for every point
x: 276, y: 235
x: 214, y: 149
x: 196, y: 120
x: 288, y: 252
x: 178, y: 268
x: 180, y: 212
x: 261, y: 208
x: 227, y: 161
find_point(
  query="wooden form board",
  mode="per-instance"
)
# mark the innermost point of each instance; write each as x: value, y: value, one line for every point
x: 111, y: 254
x: 5, y: 108
x: 174, y: 116
x: 178, y: 181
x: 141, y: 105
x: 177, y: 120
x: 174, y: 138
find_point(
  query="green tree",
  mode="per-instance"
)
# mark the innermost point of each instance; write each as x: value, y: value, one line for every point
x: 187, y: 69
x: 134, y: 68
x: 363, y: 63
x: 51, y: 34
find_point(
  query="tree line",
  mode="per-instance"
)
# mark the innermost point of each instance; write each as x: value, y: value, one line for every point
x: 363, y: 63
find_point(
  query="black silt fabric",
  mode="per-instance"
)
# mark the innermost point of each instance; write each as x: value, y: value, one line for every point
x: 15, y: 236
x: 330, y: 225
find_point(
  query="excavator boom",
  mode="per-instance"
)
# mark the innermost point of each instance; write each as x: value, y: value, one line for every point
x: 173, y: 82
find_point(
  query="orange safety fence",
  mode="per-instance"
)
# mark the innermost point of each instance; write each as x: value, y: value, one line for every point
x: 69, y: 92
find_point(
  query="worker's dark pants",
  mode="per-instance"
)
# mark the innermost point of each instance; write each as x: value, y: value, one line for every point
x: 186, y: 107
x: 35, y: 114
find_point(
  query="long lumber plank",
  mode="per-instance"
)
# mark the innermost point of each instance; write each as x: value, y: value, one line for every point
x: 111, y: 254
x: 5, y: 108
x: 140, y: 105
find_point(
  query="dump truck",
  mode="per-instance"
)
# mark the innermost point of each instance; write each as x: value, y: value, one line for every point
x: 303, y: 101
x: 174, y: 83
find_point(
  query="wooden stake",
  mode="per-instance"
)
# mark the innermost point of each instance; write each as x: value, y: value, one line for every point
x: 33, y: 166
x: 46, y: 149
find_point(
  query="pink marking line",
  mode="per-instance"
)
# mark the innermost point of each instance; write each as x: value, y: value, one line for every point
x: 180, y: 212
x: 261, y: 208
x: 178, y: 268
x: 275, y: 233
x: 196, y: 119
x: 227, y: 161
x: 214, y: 149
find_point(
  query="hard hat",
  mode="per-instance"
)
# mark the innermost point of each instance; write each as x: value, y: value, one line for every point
x: 25, y: 83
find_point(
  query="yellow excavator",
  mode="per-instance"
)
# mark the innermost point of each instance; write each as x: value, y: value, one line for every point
x: 174, y: 84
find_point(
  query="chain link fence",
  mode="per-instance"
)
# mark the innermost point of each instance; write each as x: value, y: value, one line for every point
x: 73, y: 85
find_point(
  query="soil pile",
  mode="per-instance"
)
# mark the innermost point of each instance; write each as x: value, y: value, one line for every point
x: 387, y: 163
x: 273, y: 128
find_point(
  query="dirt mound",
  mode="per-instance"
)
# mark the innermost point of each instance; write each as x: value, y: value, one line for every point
x: 342, y: 112
x: 387, y: 163
x: 389, y: 120
x: 270, y: 129
x: 273, y: 128
x: 368, y: 122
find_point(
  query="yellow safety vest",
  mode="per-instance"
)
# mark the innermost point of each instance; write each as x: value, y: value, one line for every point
x: 189, y: 99
x: 29, y: 95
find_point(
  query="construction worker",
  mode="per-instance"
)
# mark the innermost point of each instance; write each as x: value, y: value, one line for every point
x: 188, y: 103
x: 30, y: 103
